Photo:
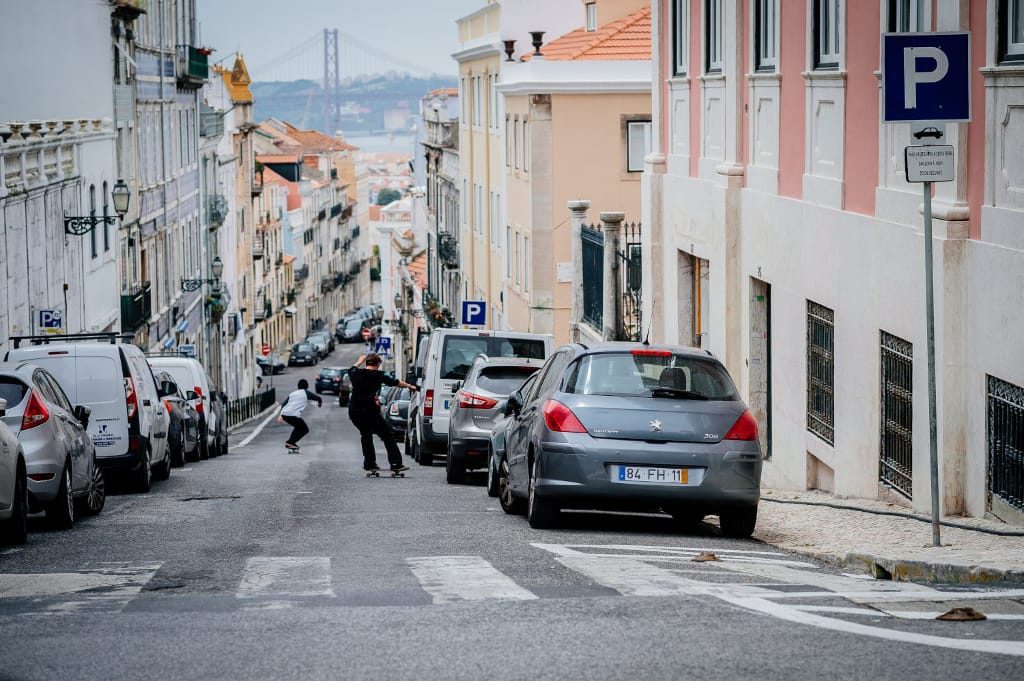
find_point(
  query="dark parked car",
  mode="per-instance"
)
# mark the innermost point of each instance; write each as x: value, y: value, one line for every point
x: 333, y: 380
x: 394, y: 405
x: 632, y: 427
x: 271, y: 364
x: 302, y: 353
x: 183, y: 432
x: 353, y: 331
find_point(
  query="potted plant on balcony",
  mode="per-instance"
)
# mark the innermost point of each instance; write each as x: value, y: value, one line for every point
x: 217, y: 307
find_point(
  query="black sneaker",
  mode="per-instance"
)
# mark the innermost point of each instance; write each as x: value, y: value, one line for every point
x: 399, y: 468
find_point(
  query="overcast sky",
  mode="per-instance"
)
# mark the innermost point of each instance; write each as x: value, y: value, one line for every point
x: 422, y: 32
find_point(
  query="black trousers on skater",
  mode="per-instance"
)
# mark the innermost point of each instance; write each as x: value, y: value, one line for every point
x: 299, y: 428
x: 370, y: 423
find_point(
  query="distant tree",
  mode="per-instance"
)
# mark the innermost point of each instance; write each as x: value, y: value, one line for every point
x: 386, y: 196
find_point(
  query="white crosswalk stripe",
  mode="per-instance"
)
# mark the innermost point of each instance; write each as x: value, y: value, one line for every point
x: 450, y: 579
x: 284, y: 577
x: 107, y: 588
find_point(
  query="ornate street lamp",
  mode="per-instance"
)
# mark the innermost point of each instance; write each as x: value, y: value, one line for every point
x: 217, y: 268
x: 80, y: 225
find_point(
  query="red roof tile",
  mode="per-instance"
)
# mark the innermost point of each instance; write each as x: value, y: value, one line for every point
x: 628, y: 39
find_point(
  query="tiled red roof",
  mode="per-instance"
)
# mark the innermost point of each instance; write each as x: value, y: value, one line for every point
x: 277, y: 158
x: 628, y: 39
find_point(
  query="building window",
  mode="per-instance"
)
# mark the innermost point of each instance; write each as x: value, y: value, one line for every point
x: 906, y: 16
x: 526, y: 144
x: 1006, y: 442
x: 517, y: 258
x: 494, y: 102
x: 896, y: 448
x: 713, y: 36
x: 508, y: 251
x: 92, y: 215
x: 508, y: 141
x: 680, y: 36
x: 766, y: 49
x: 820, y: 371
x: 106, y: 213
x: 638, y: 144
x: 1011, y: 30
x: 827, y: 30
x: 526, y: 263
x: 515, y: 141
x: 591, y: 16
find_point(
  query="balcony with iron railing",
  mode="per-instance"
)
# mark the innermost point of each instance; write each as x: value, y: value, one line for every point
x: 216, y: 210
x: 326, y: 283
x: 302, y: 274
x: 448, y: 249
x: 136, y: 307
x: 193, y: 67
x: 260, y: 311
x: 258, y: 246
x: 355, y: 268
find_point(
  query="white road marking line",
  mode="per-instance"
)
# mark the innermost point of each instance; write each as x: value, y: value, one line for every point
x: 919, y: 615
x: 258, y: 429
x: 791, y: 614
x: 108, y: 587
x: 664, y: 549
x: 840, y: 610
x: 450, y: 579
x: 286, y: 576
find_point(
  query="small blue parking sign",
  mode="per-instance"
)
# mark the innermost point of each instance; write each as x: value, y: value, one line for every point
x: 926, y: 77
x: 474, y: 312
x: 50, y: 320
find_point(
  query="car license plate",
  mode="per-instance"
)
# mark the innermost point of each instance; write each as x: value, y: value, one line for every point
x: 651, y: 475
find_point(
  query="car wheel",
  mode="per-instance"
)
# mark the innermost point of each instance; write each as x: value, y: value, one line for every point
x: 163, y: 470
x: 60, y: 513
x: 492, y: 477
x: 454, y: 471
x: 14, y: 530
x: 96, y: 492
x: 421, y: 455
x: 509, y: 503
x: 194, y: 455
x: 204, y: 449
x: 178, y: 451
x: 540, y: 513
x: 144, y: 473
x: 738, y: 523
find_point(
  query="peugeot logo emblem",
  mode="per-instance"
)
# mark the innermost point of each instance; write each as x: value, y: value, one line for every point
x: 656, y: 426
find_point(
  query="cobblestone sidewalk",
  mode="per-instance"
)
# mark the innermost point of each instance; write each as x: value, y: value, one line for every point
x: 867, y: 540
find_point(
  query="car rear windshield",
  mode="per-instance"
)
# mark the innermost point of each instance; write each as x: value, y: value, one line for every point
x: 503, y: 380
x: 12, y: 390
x: 303, y: 347
x: 651, y: 374
x: 459, y: 351
x: 330, y: 373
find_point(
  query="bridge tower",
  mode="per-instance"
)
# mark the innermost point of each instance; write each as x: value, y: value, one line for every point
x: 332, y: 83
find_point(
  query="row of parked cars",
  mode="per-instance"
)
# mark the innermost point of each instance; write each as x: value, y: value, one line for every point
x: 619, y: 426
x: 76, y: 410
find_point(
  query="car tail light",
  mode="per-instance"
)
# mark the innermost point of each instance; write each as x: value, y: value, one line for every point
x: 337, y: 380
x: 745, y: 428
x: 199, y: 404
x: 35, y: 413
x: 130, y: 396
x: 560, y: 418
x: 428, y: 403
x: 471, y: 401
x: 41, y: 477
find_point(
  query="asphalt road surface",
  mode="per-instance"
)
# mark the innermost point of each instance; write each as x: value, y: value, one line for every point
x: 267, y: 565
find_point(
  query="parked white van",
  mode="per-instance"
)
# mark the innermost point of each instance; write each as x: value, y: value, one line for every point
x: 443, y: 361
x: 129, y: 423
x: 189, y: 374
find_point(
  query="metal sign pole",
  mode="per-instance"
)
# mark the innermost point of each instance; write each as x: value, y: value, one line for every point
x: 933, y: 428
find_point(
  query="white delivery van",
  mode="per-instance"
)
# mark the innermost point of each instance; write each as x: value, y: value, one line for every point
x: 444, y: 359
x: 129, y: 423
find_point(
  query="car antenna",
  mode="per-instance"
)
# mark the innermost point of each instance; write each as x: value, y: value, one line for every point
x: 647, y: 336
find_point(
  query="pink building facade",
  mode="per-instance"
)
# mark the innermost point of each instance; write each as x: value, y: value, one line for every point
x: 785, y: 239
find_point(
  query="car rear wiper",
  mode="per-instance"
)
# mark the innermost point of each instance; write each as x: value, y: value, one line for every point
x: 676, y: 392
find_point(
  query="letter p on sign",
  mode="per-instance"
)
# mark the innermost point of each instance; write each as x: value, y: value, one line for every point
x: 926, y: 77
x: 474, y: 312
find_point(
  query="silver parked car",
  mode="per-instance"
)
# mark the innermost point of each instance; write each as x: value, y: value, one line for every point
x: 496, y: 447
x: 60, y: 459
x: 477, y: 407
x: 632, y: 427
x: 13, y: 486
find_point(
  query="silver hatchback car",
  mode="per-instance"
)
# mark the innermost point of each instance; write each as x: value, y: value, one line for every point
x: 632, y: 427
x: 60, y: 459
x: 478, y: 406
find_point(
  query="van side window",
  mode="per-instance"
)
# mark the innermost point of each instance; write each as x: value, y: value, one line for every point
x: 458, y: 353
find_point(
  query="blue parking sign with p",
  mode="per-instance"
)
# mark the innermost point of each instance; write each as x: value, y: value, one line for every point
x: 926, y: 77
x: 474, y: 312
x: 50, y: 320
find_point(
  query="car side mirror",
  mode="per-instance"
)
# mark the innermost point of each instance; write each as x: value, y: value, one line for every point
x: 514, y: 404
x: 82, y: 413
x: 191, y: 395
x: 456, y: 386
x: 167, y: 388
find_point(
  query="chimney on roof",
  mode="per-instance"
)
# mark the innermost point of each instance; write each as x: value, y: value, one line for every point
x: 538, y: 40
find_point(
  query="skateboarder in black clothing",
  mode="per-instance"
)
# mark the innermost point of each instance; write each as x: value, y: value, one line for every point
x: 365, y: 412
